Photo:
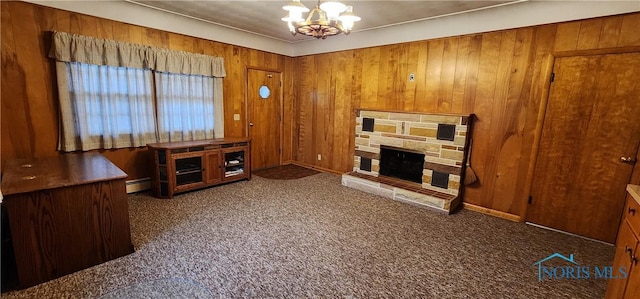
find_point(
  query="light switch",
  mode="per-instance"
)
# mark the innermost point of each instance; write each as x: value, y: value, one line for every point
x: 236, y: 116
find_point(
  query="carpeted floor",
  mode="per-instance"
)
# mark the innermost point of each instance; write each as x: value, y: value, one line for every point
x: 311, y: 237
x: 285, y: 172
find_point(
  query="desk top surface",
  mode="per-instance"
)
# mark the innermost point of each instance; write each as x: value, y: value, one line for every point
x: 28, y: 175
x: 634, y: 190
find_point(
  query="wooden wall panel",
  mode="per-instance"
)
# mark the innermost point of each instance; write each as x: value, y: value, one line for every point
x: 412, y: 61
x: 567, y: 36
x: 487, y: 74
x: 629, y: 35
x: 305, y: 113
x: 589, y: 35
x: 31, y: 124
x: 472, y: 67
x: 29, y: 93
x: 435, y: 50
x: 498, y: 119
x: 370, y: 70
x: 449, y: 59
x: 343, y: 109
x: 324, y: 114
x: 610, y: 32
x: 420, y: 83
x: 288, y: 111
x: 495, y: 75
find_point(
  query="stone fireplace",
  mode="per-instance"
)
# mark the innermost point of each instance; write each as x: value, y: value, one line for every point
x: 410, y: 157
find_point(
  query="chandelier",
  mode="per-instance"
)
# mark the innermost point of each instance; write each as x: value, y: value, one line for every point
x: 326, y: 19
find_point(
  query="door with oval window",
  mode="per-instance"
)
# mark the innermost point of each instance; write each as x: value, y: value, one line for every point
x: 264, y: 100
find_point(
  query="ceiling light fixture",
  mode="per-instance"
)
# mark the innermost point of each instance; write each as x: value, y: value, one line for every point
x: 326, y: 19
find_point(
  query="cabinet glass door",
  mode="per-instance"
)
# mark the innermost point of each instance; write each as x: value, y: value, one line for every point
x: 188, y: 170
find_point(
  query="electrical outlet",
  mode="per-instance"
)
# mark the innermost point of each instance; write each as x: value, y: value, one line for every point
x: 319, y: 157
x: 236, y: 116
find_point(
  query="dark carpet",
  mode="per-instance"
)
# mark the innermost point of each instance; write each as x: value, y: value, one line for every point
x: 285, y: 172
x: 312, y: 237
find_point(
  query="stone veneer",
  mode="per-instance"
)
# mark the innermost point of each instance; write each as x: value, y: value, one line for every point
x: 417, y: 133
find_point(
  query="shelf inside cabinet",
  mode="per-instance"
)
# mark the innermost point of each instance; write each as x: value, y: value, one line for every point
x: 234, y: 163
x: 188, y: 165
x: 188, y: 171
x: 228, y: 164
x: 233, y: 172
x: 162, y: 172
x: 162, y: 157
x: 234, y: 157
x: 189, y: 178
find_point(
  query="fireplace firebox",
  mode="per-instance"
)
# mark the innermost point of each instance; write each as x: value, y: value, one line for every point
x: 402, y: 164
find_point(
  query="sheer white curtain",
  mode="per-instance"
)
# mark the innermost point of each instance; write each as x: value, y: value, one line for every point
x: 105, y: 106
x: 189, y: 107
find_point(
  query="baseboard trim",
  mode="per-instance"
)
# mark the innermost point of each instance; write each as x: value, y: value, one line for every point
x: 568, y: 233
x: 316, y: 168
x: 138, y: 185
x: 499, y: 214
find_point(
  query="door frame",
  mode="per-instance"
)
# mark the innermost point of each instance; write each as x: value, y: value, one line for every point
x: 247, y: 111
x: 540, y: 92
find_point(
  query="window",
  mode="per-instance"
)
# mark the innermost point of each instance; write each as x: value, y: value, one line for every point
x: 185, y: 106
x: 112, y: 106
x: 115, y: 107
x: 110, y: 97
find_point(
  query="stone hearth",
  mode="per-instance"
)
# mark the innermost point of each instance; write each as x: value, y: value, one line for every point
x: 443, y: 140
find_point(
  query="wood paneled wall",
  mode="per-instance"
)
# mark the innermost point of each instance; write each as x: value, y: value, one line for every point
x: 495, y: 75
x: 29, y: 95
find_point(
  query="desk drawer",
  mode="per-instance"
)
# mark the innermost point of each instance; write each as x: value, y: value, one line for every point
x: 632, y: 213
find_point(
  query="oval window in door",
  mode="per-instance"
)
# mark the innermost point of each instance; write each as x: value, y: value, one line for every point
x: 265, y: 92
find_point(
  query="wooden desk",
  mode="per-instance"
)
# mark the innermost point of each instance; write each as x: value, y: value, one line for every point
x: 66, y: 213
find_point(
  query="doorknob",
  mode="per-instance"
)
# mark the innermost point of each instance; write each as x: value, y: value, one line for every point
x: 250, y: 124
x: 627, y: 160
x: 629, y: 251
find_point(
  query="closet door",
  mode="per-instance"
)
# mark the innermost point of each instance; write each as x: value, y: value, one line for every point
x: 589, y: 145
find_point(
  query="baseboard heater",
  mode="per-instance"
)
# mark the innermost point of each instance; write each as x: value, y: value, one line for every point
x: 138, y: 185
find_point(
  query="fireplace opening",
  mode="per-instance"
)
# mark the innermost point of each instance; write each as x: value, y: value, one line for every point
x: 402, y: 164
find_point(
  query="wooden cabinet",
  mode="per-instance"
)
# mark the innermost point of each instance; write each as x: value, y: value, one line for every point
x: 66, y: 213
x: 190, y: 165
x: 633, y: 286
x: 627, y: 251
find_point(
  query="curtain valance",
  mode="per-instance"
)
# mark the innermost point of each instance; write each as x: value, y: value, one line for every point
x: 69, y: 47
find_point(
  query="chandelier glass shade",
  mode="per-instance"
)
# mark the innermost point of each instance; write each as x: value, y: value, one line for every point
x: 325, y: 19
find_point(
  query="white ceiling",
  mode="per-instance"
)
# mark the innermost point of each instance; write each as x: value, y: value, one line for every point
x: 257, y: 24
x: 263, y: 17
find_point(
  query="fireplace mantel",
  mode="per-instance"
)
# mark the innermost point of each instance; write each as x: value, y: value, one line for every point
x: 443, y: 139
